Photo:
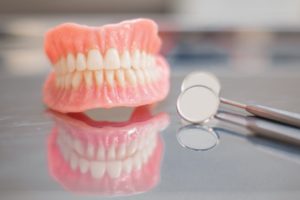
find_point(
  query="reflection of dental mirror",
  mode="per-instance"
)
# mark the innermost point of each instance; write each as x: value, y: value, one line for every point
x: 199, y: 102
x: 197, y: 138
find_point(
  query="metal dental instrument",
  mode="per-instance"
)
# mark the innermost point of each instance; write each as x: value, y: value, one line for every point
x: 202, y: 89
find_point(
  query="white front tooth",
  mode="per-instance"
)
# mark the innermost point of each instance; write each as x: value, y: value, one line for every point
x: 127, y: 165
x: 68, y: 80
x: 111, y: 154
x: 78, y: 146
x: 99, y: 77
x: 94, y: 60
x: 97, y: 169
x: 71, y: 62
x: 101, y: 153
x: 109, y: 76
x: 132, y: 147
x: 80, y: 62
x: 112, y: 59
x: 76, y: 79
x: 130, y: 76
x: 137, y: 162
x: 140, y: 76
x: 120, y: 77
x: 90, y: 151
x: 84, y: 165
x: 136, y: 59
x: 114, y: 168
x: 121, y: 151
x: 125, y: 60
x: 143, y: 59
x: 73, y: 161
x: 88, y: 77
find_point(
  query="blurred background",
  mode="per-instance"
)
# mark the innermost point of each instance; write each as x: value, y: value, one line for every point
x: 250, y: 36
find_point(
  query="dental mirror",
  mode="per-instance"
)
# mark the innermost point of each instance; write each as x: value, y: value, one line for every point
x: 197, y: 138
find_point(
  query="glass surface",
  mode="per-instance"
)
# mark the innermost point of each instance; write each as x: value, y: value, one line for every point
x: 237, y: 168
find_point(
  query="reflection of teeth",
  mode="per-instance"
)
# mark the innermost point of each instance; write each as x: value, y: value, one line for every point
x: 127, y: 165
x: 101, y: 153
x: 137, y: 163
x: 132, y: 147
x: 111, y: 155
x: 112, y: 59
x: 94, y: 60
x: 80, y: 62
x: 90, y: 150
x: 97, y: 169
x: 84, y: 165
x: 73, y: 161
x: 121, y: 153
x: 78, y: 146
x: 114, y: 168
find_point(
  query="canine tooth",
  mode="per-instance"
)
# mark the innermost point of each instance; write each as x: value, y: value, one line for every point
x: 114, y: 168
x: 78, y: 146
x: 130, y: 76
x: 90, y: 150
x: 99, y: 77
x: 73, y: 161
x: 70, y: 62
x: 76, y: 80
x: 83, y: 165
x: 120, y: 77
x: 80, y: 62
x: 68, y: 80
x: 88, y: 77
x: 127, y: 165
x: 94, y: 60
x: 101, y: 153
x: 125, y: 60
x: 97, y: 169
x: 121, y: 151
x: 109, y: 76
x: 136, y: 59
x: 132, y: 147
x: 112, y: 59
x: 111, y: 154
x: 140, y: 76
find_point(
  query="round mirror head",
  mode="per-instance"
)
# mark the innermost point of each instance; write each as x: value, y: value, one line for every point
x: 201, y: 78
x: 197, y: 137
x: 197, y: 104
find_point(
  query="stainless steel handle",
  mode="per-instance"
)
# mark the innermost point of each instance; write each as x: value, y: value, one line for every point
x: 274, y: 114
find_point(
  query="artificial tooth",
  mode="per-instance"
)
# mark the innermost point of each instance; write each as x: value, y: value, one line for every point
x: 78, y: 146
x: 112, y: 59
x: 83, y: 165
x: 90, y: 150
x: 143, y: 59
x: 97, y: 169
x: 71, y: 62
x: 63, y: 66
x: 130, y: 76
x: 111, y: 154
x: 94, y: 59
x: 137, y: 163
x: 114, y: 168
x: 101, y: 153
x: 132, y: 147
x: 99, y: 77
x: 140, y: 76
x: 80, y: 62
x: 125, y: 60
x: 127, y: 165
x: 120, y: 77
x: 147, y: 75
x: 88, y: 77
x: 109, y: 76
x: 136, y: 59
x: 76, y: 80
x: 68, y: 80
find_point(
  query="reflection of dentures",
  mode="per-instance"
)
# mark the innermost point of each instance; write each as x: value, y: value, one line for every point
x: 108, y: 158
x: 113, y: 65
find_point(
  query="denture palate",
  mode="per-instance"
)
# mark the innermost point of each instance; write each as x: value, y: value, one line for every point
x: 111, y: 68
